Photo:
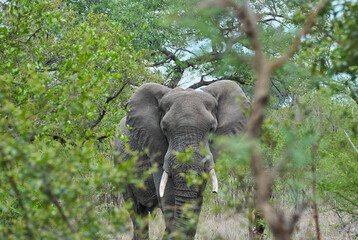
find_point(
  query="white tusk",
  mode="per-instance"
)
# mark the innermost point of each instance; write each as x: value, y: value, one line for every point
x: 163, y: 183
x: 214, y: 181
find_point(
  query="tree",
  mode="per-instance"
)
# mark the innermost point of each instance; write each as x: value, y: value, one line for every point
x: 281, y: 226
x: 332, y: 48
x: 63, y: 88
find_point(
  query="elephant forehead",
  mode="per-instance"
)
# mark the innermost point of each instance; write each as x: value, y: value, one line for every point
x: 188, y: 97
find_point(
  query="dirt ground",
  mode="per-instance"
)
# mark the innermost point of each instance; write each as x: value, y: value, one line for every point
x: 235, y: 226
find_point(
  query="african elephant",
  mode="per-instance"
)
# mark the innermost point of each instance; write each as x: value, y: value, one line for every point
x: 162, y: 122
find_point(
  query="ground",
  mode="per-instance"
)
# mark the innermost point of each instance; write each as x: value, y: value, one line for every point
x: 235, y: 226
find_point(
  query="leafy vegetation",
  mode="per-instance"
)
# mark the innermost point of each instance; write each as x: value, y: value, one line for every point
x: 67, y: 69
x: 63, y: 86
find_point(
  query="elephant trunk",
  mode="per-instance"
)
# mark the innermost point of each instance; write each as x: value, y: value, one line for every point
x: 187, y: 158
x: 189, y: 186
x: 188, y: 202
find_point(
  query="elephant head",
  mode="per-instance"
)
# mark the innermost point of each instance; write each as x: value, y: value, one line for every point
x: 168, y: 121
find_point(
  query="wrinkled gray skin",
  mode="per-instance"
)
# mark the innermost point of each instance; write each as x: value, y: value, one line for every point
x: 164, y: 120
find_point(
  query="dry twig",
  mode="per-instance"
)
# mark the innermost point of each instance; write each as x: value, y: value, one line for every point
x: 350, y: 141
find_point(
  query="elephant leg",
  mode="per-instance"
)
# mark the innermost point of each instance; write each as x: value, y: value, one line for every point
x: 138, y: 214
x: 168, y: 209
x: 140, y: 223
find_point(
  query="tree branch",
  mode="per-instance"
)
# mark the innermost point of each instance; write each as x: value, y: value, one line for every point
x: 181, y: 65
x: 169, y: 54
x: 109, y: 99
x: 277, y: 89
x: 161, y: 62
x: 353, y: 94
x: 201, y: 84
x: 188, y: 51
x: 354, y: 203
x: 238, y: 79
x: 31, y: 36
x: 314, y: 205
x: 62, y: 213
x: 59, y: 139
x: 48, y: 70
x: 21, y: 203
x: 349, y: 139
x: 327, y: 34
x: 101, y: 138
x: 264, y: 180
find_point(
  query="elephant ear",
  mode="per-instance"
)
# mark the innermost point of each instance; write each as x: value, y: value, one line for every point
x: 143, y: 119
x: 232, y: 106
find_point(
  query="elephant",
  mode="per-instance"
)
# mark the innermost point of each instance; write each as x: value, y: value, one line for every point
x: 162, y: 122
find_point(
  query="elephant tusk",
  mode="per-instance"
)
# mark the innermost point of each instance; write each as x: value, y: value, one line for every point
x: 163, y: 183
x: 214, y: 181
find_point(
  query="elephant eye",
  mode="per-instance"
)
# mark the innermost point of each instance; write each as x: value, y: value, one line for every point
x: 164, y: 127
x: 161, y: 112
x: 213, y: 128
x: 165, y: 130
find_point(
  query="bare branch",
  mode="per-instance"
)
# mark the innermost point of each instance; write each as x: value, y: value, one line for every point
x: 62, y: 213
x: 277, y: 89
x: 270, y: 20
x: 327, y: 34
x: 169, y: 54
x: 188, y: 51
x: 48, y: 70
x: 238, y: 79
x: 109, y: 99
x: 59, y: 139
x: 18, y: 83
x: 31, y: 36
x: 161, y: 62
x: 314, y: 205
x: 21, y: 203
x: 181, y: 65
x: 349, y: 139
x: 101, y: 138
x: 354, y: 203
x: 207, y: 74
x: 208, y: 57
x: 201, y: 84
